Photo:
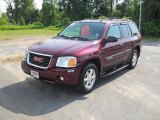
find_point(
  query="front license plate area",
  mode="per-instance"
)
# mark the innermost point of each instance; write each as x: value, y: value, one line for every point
x: 34, y: 74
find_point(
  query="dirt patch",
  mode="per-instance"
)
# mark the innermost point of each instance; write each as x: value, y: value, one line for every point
x: 12, y: 58
x: 13, y: 50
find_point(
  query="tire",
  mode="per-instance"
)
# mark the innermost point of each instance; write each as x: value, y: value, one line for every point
x: 134, y: 59
x: 88, y: 78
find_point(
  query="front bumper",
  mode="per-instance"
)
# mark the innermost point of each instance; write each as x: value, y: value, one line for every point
x: 71, y: 76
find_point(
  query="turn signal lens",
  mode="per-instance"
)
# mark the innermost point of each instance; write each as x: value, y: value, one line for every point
x: 72, y: 62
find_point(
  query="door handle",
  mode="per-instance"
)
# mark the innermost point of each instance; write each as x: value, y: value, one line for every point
x: 121, y: 44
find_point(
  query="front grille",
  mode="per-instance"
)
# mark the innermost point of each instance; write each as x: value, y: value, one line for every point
x: 39, y: 60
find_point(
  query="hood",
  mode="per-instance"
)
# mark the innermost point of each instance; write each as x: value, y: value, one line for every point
x: 61, y: 47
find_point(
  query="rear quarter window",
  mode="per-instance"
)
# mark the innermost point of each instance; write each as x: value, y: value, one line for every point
x: 133, y: 28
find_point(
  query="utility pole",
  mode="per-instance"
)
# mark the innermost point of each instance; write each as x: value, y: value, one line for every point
x: 140, y: 15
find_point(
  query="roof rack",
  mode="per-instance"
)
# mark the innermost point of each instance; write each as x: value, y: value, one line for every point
x: 93, y: 19
x: 116, y: 18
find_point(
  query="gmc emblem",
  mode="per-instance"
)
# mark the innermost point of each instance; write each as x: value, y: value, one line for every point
x: 38, y: 59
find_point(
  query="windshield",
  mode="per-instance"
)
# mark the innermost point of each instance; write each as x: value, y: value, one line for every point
x: 86, y: 30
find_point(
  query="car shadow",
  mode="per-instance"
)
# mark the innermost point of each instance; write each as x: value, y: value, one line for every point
x: 33, y: 97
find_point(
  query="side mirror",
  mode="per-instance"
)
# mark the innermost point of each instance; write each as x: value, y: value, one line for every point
x: 111, y: 39
x: 135, y: 34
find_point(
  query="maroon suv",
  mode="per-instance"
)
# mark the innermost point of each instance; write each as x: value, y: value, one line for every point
x: 83, y: 52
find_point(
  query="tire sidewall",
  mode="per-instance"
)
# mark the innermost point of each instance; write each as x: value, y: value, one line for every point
x: 131, y: 64
x: 82, y: 75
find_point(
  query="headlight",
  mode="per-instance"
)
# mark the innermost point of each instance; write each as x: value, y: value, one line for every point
x: 26, y: 53
x: 66, y: 62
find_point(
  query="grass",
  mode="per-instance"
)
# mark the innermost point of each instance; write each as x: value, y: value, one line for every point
x: 13, y: 34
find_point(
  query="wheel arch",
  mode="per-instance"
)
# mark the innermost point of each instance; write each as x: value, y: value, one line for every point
x: 138, y: 48
x: 95, y: 61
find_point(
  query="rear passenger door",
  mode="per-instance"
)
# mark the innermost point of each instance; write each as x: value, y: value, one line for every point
x: 130, y: 37
x: 126, y: 41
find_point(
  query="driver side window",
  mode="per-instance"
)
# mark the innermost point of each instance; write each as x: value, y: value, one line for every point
x: 114, y: 31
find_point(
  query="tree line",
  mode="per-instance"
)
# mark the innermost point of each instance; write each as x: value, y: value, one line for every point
x: 62, y: 12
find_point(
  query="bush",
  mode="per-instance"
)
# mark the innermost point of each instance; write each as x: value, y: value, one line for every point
x: 54, y: 28
x: 31, y: 26
x: 51, y: 28
x: 14, y: 27
x: 38, y: 24
x: 127, y: 18
x: 4, y: 20
x: 102, y: 17
x: 151, y: 29
x: 63, y: 23
x: 66, y: 22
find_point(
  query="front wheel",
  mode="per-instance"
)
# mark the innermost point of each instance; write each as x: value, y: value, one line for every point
x: 88, y: 78
x: 134, y: 59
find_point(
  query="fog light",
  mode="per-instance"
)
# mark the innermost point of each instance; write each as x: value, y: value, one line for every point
x: 61, y: 78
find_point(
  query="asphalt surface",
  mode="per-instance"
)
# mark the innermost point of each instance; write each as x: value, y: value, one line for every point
x: 126, y: 95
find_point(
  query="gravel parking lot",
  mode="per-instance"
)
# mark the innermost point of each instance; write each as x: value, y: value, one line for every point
x: 126, y: 95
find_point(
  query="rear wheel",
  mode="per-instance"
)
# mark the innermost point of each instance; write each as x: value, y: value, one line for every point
x: 88, y: 78
x: 134, y: 59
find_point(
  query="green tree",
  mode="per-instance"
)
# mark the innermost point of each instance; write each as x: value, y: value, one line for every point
x: 10, y: 10
x: 101, y: 8
x: 81, y: 9
x: 48, y: 12
x: 76, y: 9
x: 18, y: 9
x: 123, y: 9
x: 135, y: 10
x: 35, y: 16
x: 27, y: 7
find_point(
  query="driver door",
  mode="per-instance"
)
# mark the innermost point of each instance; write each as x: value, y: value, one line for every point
x: 113, y: 51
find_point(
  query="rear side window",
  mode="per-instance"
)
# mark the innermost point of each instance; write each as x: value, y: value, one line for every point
x: 124, y: 29
x: 133, y: 28
x: 114, y: 31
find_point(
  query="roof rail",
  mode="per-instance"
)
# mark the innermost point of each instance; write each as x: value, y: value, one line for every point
x: 116, y: 18
x: 92, y: 19
x: 89, y: 19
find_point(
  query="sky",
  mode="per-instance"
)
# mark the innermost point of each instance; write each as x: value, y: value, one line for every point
x: 3, y: 5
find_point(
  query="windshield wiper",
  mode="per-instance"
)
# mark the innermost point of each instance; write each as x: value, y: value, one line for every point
x: 64, y: 36
x: 74, y: 37
x: 81, y: 38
